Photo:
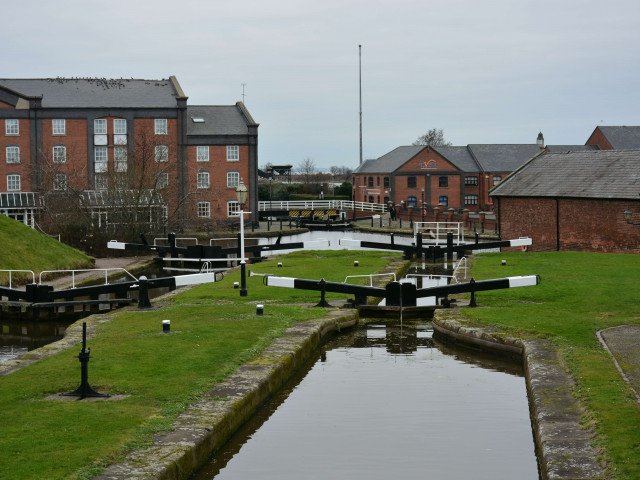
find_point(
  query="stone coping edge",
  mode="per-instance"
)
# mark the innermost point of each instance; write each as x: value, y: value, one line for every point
x: 563, y: 446
x: 209, y: 422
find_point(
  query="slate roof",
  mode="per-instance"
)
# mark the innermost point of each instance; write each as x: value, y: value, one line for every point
x: 622, y: 137
x: 95, y: 92
x: 600, y: 174
x: 460, y: 156
x: 218, y: 120
x: 570, y: 148
x: 503, y: 157
x: 390, y: 161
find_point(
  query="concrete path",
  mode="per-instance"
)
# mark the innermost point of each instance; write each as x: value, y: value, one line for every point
x: 622, y: 344
x: 67, y: 280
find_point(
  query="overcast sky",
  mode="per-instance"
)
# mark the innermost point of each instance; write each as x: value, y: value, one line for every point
x: 491, y: 71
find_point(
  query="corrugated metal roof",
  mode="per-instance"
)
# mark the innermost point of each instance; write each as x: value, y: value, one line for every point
x: 217, y: 120
x: 96, y: 92
x: 622, y: 137
x: 593, y: 174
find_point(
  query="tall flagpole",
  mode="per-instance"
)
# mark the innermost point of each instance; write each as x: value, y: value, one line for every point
x: 360, y: 90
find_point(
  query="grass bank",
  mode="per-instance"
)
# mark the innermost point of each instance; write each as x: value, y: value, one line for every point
x: 26, y: 249
x: 580, y: 294
x: 213, y: 332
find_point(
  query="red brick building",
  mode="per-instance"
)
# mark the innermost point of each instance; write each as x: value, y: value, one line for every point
x: 615, y: 138
x: 574, y: 201
x: 103, y: 138
x: 453, y: 176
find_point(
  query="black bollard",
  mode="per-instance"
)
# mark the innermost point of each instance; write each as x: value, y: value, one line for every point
x: 84, y: 390
x: 472, y: 300
x: 323, y: 301
x: 143, y: 293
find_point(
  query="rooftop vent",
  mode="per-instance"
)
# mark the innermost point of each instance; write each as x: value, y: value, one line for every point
x: 197, y: 119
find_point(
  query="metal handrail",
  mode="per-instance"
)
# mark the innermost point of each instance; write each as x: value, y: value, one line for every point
x: 458, y: 267
x: 155, y: 240
x: 441, y: 229
x: 246, y: 239
x: 73, y: 274
x: 321, y: 205
x: 10, y: 272
x: 370, y: 276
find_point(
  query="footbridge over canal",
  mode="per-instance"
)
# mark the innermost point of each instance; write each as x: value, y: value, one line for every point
x: 331, y: 209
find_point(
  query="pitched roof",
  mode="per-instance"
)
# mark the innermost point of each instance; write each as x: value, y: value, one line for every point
x: 460, y: 157
x: 390, y: 161
x: 503, y: 157
x: 591, y: 174
x: 622, y: 137
x: 570, y: 148
x: 217, y: 120
x: 96, y: 92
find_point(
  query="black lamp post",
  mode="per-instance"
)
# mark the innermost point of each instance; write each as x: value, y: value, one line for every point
x: 241, y: 193
x: 422, y: 206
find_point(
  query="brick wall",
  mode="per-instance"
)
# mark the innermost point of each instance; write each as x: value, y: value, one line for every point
x: 589, y: 225
x: 599, y: 140
x: 24, y: 167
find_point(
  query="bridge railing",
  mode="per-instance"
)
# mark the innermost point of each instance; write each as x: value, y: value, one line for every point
x: 321, y: 205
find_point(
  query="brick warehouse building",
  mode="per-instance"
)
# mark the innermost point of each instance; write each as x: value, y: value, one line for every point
x: 452, y: 176
x: 574, y: 201
x: 128, y: 143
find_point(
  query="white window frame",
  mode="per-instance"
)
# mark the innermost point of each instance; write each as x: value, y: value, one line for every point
x: 58, y: 126
x: 203, y: 209
x: 233, y: 179
x: 14, y: 182
x: 203, y: 180
x: 59, y: 154
x: 12, y: 126
x: 100, y: 126
x: 120, y: 158
x: 471, y: 199
x: 161, y: 126
x: 100, y: 159
x: 162, y: 153
x: 162, y: 180
x: 12, y: 153
x: 202, y: 153
x: 118, y: 123
x: 233, y: 153
x: 60, y: 182
x: 233, y: 208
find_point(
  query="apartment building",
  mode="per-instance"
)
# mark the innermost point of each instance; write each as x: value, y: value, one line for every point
x: 123, y: 145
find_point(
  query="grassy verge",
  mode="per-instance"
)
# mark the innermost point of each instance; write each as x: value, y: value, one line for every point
x: 27, y: 249
x: 213, y: 332
x: 580, y: 293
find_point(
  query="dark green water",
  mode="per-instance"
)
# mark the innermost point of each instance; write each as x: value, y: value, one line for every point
x: 386, y: 403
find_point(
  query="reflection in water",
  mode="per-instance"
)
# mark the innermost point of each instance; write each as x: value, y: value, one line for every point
x: 386, y: 402
x: 19, y: 336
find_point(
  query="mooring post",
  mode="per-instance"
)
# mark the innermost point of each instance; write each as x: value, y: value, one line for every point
x: 84, y: 390
x: 472, y: 300
x: 143, y: 293
x: 323, y: 292
x: 450, y: 246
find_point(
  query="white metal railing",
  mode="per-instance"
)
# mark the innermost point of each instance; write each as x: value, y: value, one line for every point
x: 321, y: 205
x: 371, y: 276
x: 73, y: 273
x: 462, y: 265
x: 166, y: 240
x: 437, y: 232
x: 10, y: 272
x: 235, y: 239
x: 438, y: 279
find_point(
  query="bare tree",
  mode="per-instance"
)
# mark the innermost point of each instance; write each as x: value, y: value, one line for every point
x: 341, y: 174
x: 433, y: 137
x: 307, y: 169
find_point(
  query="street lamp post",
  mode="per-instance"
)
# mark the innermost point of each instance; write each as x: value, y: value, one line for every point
x: 422, y: 206
x: 241, y: 193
